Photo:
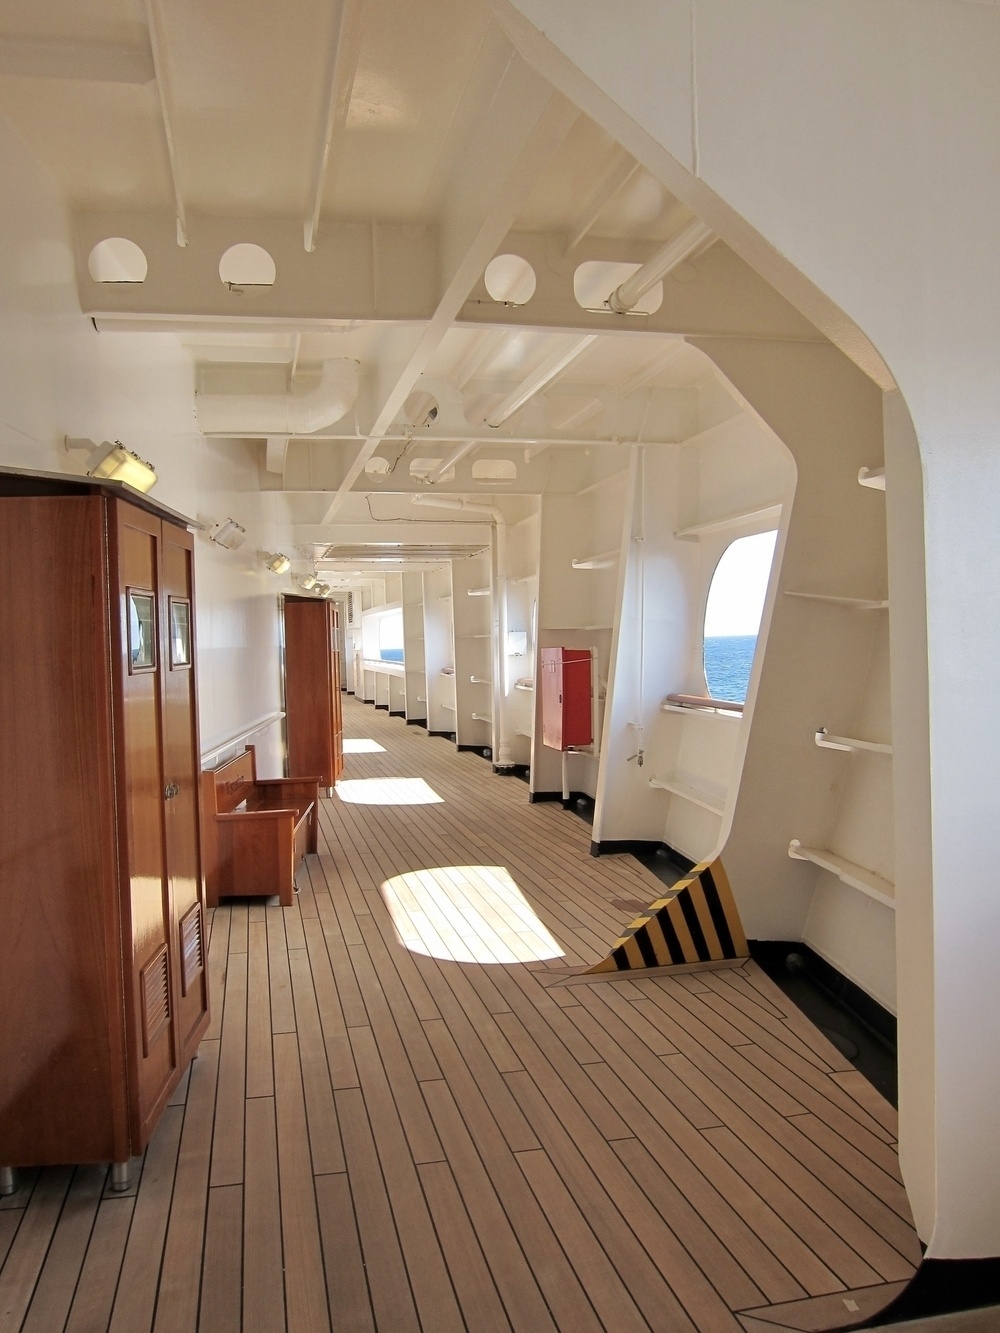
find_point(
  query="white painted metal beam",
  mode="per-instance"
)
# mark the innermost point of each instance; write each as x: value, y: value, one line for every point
x: 338, y: 82
x: 164, y: 90
x: 501, y: 163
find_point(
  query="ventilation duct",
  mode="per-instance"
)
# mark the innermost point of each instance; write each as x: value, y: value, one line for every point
x: 222, y: 407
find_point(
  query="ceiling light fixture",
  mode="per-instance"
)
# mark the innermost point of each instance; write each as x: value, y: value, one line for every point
x: 306, y: 581
x: 111, y: 461
x: 276, y: 562
x: 228, y: 533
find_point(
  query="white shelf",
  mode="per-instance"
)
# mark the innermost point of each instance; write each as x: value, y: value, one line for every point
x: 481, y: 717
x: 526, y: 734
x: 479, y: 592
x: 471, y: 636
x: 873, y: 478
x: 859, y: 877
x: 602, y: 561
x: 699, y: 712
x: 686, y: 792
x: 480, y: 680
x: 524, y: 685
x: 524, y: 578
x: 856, y: 603
x: 828, y: 742
x: 712, y: 525
x: 449, y: 707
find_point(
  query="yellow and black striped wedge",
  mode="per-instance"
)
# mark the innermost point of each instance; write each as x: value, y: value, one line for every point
x: 696, y: 922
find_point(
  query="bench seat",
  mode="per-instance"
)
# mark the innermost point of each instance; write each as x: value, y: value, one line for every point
x: 257, y: 831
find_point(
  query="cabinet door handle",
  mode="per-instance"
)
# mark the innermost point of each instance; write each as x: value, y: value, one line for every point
x: 170, y: 791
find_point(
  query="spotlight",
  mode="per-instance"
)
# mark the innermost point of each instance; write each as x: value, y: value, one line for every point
x: 111, y: 461
x: 228, y: 533
x: 276, y: 562
x: 306, y: 581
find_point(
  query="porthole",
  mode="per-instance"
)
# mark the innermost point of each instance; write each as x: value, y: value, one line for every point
x: 116, y: 259
x: 247, y: 265
x: 733, y: 613
x: 596, y: 279
x: 510, y: 279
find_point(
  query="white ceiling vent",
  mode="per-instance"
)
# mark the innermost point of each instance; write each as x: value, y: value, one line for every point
x: 229, y: 402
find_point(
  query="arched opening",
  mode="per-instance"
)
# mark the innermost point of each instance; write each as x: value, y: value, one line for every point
x: 116, y: 259
x: 247, y: 265
x: 733, y: 612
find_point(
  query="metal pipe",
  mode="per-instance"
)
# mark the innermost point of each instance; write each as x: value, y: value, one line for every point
x: 670, y: 256
x: 459, y: 452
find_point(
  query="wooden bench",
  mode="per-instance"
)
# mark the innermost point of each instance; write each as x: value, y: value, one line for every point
x: 256, y: 831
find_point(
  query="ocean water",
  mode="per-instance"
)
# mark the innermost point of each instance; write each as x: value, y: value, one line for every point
x: 728, y: 661
x: 391, y: 654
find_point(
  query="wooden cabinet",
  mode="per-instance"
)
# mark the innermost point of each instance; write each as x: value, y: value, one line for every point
x: 103, y: 988
x: 313, y: 710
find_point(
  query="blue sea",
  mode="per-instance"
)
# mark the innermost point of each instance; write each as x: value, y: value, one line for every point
x: 727, y: 665
x: 391, y: 654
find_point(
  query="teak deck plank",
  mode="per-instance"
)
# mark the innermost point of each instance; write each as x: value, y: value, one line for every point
x: 386, y: 1130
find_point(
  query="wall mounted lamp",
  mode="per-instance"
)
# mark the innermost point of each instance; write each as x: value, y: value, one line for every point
x: 228, y: 533
x: 111, y: 461
x: 276, y: 562
x: 306, y: 581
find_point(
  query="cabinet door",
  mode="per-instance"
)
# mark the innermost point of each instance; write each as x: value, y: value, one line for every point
x: 181, y: 764
x: 309, y: 722
x: 147, y: 944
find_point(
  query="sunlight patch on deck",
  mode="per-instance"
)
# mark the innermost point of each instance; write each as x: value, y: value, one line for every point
x: 387, y: 791
x: 467, y: 914
x: 362, y: 745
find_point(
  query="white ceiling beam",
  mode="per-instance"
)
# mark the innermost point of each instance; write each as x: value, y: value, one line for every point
x: 612, y: 183
x: 499, y: 167
x: 277, y: 452
x: 164, y: 92
x: 342, y: 61
x: 88, y: 62
x: 546, y: 372
x: 652, y: 368
x: 485, y: 346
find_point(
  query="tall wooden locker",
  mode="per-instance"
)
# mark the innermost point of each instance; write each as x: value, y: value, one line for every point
x: 314, y: 725
x: 103, y: 989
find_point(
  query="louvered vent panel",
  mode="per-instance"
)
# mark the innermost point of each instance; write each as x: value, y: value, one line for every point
x: 155, y: 987
x: 192, y: 948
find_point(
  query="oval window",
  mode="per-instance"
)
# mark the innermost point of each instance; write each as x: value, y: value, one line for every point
x: 732, y: 614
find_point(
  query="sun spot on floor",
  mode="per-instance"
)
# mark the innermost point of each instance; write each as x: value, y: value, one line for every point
x: 467, y: 914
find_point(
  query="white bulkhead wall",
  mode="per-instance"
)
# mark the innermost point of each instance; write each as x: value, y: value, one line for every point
x: 61, y: 378
x: 840, y: 149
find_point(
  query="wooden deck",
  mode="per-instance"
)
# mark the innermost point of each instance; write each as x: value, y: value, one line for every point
x: 376, y: 1136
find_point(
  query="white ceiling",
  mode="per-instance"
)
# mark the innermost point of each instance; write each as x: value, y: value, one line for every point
x: 207, y: 110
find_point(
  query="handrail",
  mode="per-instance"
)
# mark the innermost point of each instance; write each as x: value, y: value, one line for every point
x: 703, y: 701
x: 261, y: 725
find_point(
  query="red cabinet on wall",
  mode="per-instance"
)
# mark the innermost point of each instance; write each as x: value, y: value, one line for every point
x: 567, y: 715
x: 103, y: 990
x: 313, y: 710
